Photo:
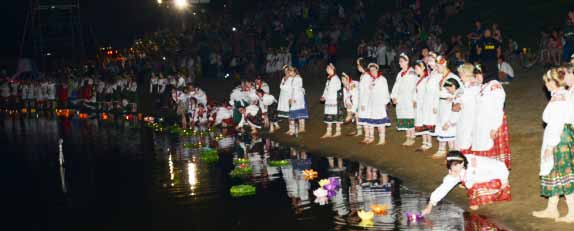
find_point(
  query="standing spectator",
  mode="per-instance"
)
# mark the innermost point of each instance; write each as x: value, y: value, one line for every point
x: 489, y: 50
x: 382, y: 54
x: 474, y: 37
x: 568, y: 32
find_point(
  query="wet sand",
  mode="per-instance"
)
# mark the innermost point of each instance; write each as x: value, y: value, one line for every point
x: 525, y: 102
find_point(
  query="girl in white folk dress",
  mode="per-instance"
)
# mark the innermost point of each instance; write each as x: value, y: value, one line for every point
x: 373, y: 111
x: 332, y: 98
x: 490, y: 131
x: 284, y: 95
x: 293, y: 101
x: 556, y: 166
x: 364, y: 83
x: 485, y: 179
x: 430, y: 102
x: 465, y: 104
x: 351, y: 102
x: 445, y: 136
x: 402, y: 95
x: 418, y: 100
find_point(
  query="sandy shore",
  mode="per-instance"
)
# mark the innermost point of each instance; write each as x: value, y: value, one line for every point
x: 526, y: 99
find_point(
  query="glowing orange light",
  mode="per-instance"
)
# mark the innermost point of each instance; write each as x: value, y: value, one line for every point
x: 309, y: 174
x: 380, y: 210
x: 105, y: 116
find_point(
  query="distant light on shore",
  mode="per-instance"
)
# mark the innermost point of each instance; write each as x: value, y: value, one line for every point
x: 181, y: 4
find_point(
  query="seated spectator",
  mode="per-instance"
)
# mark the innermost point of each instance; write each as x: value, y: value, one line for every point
x: 505, y: 71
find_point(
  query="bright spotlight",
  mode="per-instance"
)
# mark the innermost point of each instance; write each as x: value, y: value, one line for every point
x: 234, y: 29
x: 181, y: 4
x: 159, y: 2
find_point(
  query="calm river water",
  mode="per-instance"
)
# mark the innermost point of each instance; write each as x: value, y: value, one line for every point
x: 120, y: 176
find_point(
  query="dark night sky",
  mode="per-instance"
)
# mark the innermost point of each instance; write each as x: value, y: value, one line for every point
x: 115, y: 21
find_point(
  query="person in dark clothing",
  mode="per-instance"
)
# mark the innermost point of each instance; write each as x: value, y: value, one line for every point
x: 475, y: 37
x: 489, y: 50
x: 568, y: 33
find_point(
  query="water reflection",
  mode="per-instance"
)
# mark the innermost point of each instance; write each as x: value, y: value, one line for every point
x: 100, y: 156
x: 192, y: 177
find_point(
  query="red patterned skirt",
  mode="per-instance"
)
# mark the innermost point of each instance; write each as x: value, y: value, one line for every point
x: 487, y: 193
x: 424, y: 130
x: 500, y: 149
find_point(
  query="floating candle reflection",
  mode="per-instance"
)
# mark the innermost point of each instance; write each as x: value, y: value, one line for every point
x: 310, y: 174
x: 324, y: 182
x: 414, y: 217
x: 366, y: 218
x: 321, y: 196
x: 380, y: 210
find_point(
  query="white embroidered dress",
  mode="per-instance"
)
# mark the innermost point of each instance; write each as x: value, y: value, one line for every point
x: 404, y: 92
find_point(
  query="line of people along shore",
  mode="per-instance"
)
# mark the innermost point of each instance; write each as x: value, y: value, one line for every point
x: 464, y: 112
x: 87, y: 94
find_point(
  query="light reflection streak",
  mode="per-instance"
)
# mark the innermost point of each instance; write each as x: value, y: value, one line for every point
x: 192, y: 176
x: 171, y: 175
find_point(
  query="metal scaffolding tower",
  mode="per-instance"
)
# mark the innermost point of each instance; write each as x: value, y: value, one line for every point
x: 53, y: 31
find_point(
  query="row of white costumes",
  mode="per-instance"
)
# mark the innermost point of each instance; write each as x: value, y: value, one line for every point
x: 404, y: 91
x: 292, y: 90
x: 43, y: 91
x: 109, y: 88
x: 373, y: 99
x: 158, y: 85
x: 481, y: 110
x: 276, y: 61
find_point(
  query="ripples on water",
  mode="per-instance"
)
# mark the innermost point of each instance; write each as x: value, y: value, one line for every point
x: 118, y: 176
